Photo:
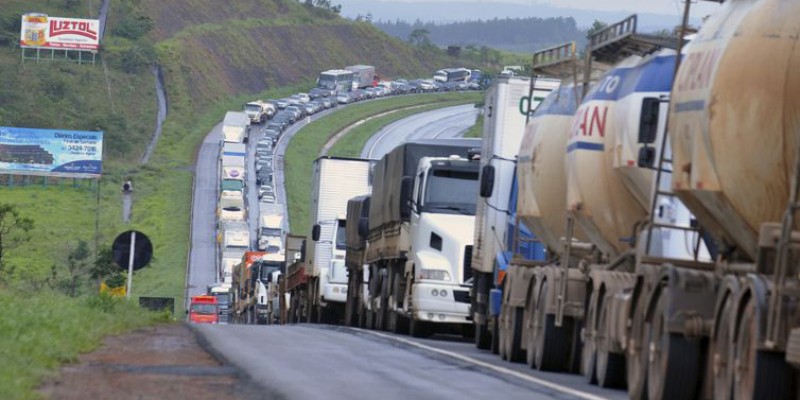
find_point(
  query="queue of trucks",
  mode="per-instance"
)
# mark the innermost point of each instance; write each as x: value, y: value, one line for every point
x: 635, y: 216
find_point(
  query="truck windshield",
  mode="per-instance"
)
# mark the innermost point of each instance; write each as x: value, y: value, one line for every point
x: 222, y: 298
x: 232, y: 184
x: 268, y: 267
x: 270, y: 232
x: 253, y: 108
x: 205, y: 309
x: 451, y: 191
x: 341, y: 235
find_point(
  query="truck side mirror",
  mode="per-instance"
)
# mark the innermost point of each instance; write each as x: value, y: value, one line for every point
x: 487, y: 181
x: 647, y: 157
x: 315, y: 231
x: 363, y: 227
x: 405, y: 196
x: 648, y: 122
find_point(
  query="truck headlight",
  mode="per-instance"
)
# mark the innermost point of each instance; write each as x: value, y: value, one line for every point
x: 434, y: 274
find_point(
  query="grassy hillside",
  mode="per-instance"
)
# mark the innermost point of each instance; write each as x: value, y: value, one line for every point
x: 215, y: 56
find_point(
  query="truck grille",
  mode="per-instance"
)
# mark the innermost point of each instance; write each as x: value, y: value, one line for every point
x: 467, y: 263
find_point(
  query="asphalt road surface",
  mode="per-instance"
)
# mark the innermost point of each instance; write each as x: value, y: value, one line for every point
x: 444, y: 123
x: 318, y: 361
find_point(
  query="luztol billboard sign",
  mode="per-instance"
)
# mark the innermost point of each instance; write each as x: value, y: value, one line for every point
x: 45, y: 32
x: 51, y: 152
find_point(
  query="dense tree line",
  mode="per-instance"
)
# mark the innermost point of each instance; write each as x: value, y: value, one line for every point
x: 513, y: 34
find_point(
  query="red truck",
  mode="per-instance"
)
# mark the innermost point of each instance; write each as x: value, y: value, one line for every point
x: 204, y: 310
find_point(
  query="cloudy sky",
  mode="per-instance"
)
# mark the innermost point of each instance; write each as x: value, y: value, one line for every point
x: 671, y: 7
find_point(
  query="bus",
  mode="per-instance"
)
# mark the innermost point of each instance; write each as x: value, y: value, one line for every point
x: 204, y: 310
x: 338, y: 80
x: 452, y: 75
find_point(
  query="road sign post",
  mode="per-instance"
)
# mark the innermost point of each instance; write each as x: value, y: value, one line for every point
x: 130, y: 265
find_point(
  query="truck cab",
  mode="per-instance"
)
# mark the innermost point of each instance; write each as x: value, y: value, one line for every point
x: 204, y: 310
x: 442, y: 222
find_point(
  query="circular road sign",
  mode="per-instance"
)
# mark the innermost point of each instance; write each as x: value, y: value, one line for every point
x: 142, y: 252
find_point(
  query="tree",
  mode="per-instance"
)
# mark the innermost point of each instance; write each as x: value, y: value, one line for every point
x: 78, y: 267
x: 596, y: 27
x: 14, y: 231
x: 419, y: 37
x: 104, y: 268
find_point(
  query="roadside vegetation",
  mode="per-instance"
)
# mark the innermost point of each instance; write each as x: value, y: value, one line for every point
x: 39, y: 333
x: 306, y: 144
x: 476, y: 131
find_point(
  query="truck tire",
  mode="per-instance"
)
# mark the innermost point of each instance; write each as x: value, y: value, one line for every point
x: 495, y: 348
x: 610, y: 367
x: 400, y: 323
x: 636, y: 352
x: 759, y: 374
x: 589, y: 350
x: 722, y: 351
x: 553, y: 344
x: 420, y: 329
x: 480, y: 289
x: 513, y: 340
x: 674, y: 369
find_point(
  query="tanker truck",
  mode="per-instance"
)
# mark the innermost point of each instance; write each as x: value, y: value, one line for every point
x: 587, y: 196
x: 733, y: 132
x: 506, y: 108
x: 421, y: 221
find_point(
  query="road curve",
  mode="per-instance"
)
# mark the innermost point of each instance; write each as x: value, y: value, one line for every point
x: 448, y: 122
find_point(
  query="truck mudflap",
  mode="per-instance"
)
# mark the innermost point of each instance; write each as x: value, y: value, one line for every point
x: 495, y: 302
x: 441, y: 303
x: 793, y: 348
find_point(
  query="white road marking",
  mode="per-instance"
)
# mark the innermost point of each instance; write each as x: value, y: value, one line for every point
x: 506, y: 371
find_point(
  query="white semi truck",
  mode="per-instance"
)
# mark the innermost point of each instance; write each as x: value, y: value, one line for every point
x: 235, y: 127
x: 335, y: 181
x: 420, y: 233
x: 507, y: 106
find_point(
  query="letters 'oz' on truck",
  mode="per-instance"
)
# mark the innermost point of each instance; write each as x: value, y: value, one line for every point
x: 235, y: 127
x: 334, y: 182
x: 421, y: 221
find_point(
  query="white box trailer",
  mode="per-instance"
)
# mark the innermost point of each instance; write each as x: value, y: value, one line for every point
x: 235, y: 127
x: 335, y: 181
x: 232, y: 161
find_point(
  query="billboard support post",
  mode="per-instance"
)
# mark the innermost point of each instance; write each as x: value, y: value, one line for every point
x: 130, y: 265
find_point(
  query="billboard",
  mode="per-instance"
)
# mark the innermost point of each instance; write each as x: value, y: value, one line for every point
x: 40, y: 31
x: 51, y: 152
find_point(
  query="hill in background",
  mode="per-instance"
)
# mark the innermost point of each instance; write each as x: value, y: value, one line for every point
x: 521, y: 35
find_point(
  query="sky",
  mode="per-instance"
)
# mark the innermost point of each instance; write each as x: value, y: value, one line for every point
x: 668, y: 7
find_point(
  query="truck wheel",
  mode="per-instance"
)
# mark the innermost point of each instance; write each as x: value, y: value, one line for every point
x: 675, y: 361
x: 610, y: 366
x: 722, y: 351
x: 636, y: 352
x: 589, y: 353
x: 502, y: 333
x: 400, y: 323
x: 381, y: 313
x: 759, y: 374
x: 483, y: 340
x: 529, y: 318
x: 495, y: 336
x: 419, y: 329
x: 514, y: 335
x: 553, y: 347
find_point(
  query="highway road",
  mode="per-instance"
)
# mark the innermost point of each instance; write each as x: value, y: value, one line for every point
x: 443, y: 123
x: 316, y: 361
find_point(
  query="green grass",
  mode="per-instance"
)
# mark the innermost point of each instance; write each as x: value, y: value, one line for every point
x: 39, y: 333
x: 306, y: 144
x: 476, y: 131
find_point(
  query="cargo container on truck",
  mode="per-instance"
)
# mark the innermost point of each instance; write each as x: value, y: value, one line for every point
x: 452, y: 75
x: 233, y: 241
x: 235, y: 127
x: 232, y: 161
x: 334, y: 182
x: 506, y: 109
x: 363, y: 76
x: 271, y: 228
x: 421, y: 220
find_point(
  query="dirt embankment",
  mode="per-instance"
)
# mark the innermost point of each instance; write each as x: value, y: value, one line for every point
x: 165, y: 362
